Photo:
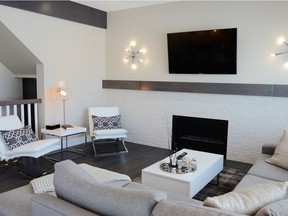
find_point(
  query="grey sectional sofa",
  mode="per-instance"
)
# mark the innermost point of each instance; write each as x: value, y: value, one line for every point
x: 263, y: 172
x: 76, y: 193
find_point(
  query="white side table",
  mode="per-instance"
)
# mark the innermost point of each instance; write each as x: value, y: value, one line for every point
x: 65, y: 133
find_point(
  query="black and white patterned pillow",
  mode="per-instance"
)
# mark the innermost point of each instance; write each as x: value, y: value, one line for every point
x: 104, y: 123
x: 18, y: 137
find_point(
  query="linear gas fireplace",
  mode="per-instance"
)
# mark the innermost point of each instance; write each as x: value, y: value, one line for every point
x: 202, y: 134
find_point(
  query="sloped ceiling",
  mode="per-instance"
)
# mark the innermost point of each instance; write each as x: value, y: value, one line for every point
x: 110, y: 6
x: 15, y: 55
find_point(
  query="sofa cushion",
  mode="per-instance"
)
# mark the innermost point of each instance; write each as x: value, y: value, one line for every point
x: 47, y: 205
x: 172, y: 208
x: 170, y: 195
x: 250, y: 199
x: 73, y: 184
x: 16, y: 202
x: 45, y: 184
x: 269, y: 171
x: 279, y: 208
x: 110, y: 132
x: 249, y: 180
x: 280, y: 156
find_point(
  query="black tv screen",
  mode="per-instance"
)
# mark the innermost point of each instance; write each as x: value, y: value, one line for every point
x: 203, y: 52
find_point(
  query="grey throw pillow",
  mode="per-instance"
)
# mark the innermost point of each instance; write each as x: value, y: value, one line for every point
x: 104, y: 123
x: 18, y: 137
x: 74, y: 185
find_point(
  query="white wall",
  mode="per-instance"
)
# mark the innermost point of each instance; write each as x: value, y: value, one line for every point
x: 70, y: 52
x: 10, y: 87
x: 252, y: 120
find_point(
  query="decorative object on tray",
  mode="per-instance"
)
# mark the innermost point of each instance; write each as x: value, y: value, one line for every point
x: 183, y: 166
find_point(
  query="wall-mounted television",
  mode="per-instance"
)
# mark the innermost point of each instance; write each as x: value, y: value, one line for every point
x: 203, y: 52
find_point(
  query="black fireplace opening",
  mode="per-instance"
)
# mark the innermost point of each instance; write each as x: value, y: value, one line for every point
x: 201, y: 134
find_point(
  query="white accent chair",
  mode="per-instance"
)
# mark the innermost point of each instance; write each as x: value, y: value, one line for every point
x: 34, y: 149
x: 106, y: 135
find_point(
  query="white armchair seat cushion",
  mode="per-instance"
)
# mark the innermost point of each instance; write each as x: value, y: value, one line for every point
x: 35, y: 149
x: 34, y: 146
x: 110, y: 132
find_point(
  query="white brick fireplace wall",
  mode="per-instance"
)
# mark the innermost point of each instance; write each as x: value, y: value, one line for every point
x: 253, y: 121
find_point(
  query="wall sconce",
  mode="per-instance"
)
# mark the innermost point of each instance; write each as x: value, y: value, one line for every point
x: 280, y: 41
x: 133, y: 55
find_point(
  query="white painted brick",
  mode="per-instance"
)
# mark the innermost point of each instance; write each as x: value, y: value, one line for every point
x: 253, y: 120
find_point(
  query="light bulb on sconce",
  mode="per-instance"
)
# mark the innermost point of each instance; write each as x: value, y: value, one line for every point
x: 133, y: 55
x: 134, y: 66
x: 280, y: 40
x: 133, y: 44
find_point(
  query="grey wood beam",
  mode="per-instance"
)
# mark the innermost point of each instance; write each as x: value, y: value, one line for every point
x: 192, y: 87
x: 67, y: 10
x: 119, y: 84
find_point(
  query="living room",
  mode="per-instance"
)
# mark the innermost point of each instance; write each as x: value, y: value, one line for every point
x: 97, y: 54
x: 83, y: 56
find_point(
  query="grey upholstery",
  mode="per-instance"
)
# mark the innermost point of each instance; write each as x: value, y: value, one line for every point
x: 46, y: 205
x: 79, y: 188
x: 170, y: 195
x: 23, y: 196
x: 268, y: 149
x: 22, y: 208
x: 170, y: 208
x: 279, y: 208
x: 268, y: 171
x: 249, y: 180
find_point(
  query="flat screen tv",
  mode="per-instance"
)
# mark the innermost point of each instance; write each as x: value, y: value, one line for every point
x: 203, y: 52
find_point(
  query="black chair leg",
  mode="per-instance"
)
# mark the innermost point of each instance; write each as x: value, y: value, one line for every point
x: 15, y: 163
x: 109, y: 142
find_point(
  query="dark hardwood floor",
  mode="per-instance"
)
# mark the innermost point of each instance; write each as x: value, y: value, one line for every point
x: 139, y: 157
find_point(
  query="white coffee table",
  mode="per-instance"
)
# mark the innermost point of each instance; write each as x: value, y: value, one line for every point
x: 208, y: 166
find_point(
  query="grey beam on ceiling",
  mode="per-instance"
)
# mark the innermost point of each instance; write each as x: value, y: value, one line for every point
x: 67, y: 10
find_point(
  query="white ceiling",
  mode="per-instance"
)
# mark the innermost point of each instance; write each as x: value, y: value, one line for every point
x: 109, y: 6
